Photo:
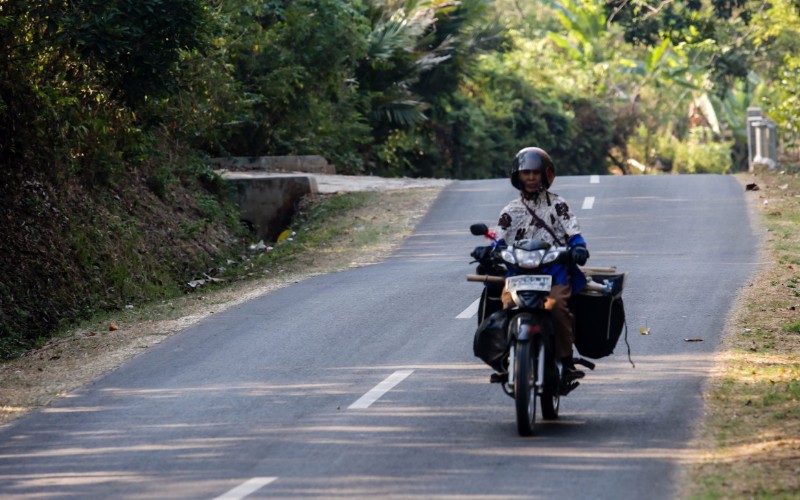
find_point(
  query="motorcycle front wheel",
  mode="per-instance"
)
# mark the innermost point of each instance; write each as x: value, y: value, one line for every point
x: 550, y: 398
x: 525, y: 388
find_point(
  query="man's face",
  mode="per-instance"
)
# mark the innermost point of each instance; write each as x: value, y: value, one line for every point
x: 530, y: 179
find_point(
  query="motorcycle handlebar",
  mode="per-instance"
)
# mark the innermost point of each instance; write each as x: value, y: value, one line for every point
x: 598, y: 270
x: 485, y: 278
x: 488, y: 278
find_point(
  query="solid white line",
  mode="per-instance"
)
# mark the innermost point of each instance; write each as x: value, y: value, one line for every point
x: 379, y: 390
x: 246, y: 488
x: 588, y: 203
x: 470, y: 311
x: 595, y: 179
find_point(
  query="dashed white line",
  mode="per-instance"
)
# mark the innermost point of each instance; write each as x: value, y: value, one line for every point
x: 470, y: 311
x: 595, y: 179
x: 246, y: 488
x: 379, y: 390
x: 588, y: 203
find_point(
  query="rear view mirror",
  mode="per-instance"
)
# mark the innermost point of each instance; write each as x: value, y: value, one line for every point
x: 478, y: 229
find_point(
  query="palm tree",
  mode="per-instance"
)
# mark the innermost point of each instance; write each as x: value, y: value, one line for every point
x: 417, y: 51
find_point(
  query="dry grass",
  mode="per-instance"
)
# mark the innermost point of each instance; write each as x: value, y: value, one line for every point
x: 750, y: 442
x: 97, y: 347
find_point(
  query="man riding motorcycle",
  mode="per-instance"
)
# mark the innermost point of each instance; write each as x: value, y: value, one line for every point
x: 543, y: 215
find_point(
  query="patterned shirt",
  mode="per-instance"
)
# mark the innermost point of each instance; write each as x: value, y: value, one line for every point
x: 554, y: 222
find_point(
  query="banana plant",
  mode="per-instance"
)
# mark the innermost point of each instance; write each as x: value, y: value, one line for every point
x: 587, y: 40
x: 584, y: 24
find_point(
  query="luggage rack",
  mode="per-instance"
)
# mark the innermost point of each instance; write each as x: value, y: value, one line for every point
x: 612, y: 281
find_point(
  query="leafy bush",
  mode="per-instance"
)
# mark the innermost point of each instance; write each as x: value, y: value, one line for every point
x: 298, y: 97
x: 496, y: 113
x: 133, y: 45
x: 699, y: 156
x: 655, y: 149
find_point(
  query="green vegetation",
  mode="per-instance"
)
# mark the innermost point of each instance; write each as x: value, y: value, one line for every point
x: 318, y: 229
x: 108, y: 110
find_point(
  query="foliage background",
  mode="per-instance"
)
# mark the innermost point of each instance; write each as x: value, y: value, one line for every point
x: 109, y: 110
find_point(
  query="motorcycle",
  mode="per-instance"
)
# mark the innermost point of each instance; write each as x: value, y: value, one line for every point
x: 518, y: 342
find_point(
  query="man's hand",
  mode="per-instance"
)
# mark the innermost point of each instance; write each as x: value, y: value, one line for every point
x: 579, y: 254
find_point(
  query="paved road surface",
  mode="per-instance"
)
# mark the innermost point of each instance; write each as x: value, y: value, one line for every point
x: 362, y: 384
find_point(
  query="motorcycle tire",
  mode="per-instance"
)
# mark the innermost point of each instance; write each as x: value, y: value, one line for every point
x: 525, y: 388
x: 551, y: 396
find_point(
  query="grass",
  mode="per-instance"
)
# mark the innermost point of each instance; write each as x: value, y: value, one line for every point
x: 338, y: 228
x: 750, y: 442
x: 334, y: 232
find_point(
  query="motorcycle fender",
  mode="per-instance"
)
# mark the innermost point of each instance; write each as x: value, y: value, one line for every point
x: 523, y: 327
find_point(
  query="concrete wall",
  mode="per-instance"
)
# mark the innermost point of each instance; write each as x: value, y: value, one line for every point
x: 268, y: 201
x: 308, y: 164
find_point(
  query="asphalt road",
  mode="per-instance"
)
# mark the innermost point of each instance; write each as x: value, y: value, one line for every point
x: 362, y: 384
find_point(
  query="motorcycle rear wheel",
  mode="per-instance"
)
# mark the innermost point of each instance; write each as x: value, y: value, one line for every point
x: 525, y: 388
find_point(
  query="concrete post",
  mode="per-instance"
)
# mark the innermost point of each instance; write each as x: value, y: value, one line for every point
x: 762, y: 144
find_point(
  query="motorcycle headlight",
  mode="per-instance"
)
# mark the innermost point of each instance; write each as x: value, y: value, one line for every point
x: 550, y: 257
x: 508, y: 256
x: 528, y: 259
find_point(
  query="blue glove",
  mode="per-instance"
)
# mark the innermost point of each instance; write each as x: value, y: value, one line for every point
x: 579, y: 254
x: 481, y: 254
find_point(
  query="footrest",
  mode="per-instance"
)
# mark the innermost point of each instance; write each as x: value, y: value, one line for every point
x: 567, y: 388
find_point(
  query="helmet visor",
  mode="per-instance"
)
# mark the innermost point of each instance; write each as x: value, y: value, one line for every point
x: 530, y: 161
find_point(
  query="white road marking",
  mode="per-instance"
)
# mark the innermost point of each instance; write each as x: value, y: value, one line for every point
x: 246, y: 488
x: 595, y: 179
x: 470, y: 311
x: 588, y: 203
x: 379, y: 390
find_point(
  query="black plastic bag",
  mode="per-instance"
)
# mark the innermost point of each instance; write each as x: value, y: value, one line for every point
x: 491, y: 340
x: 599, y: 319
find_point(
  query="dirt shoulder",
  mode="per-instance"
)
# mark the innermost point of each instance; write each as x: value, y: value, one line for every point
x: 338, y: 183
x: 105, y: 343
x: 749, y: 441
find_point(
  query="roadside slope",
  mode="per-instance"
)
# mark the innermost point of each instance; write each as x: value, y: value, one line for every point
x: 386, y: 216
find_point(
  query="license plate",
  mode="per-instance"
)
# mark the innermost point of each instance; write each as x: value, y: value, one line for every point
x: 529, y: 283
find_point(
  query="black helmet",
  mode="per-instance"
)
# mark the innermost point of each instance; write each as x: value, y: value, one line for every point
x: 533, y: 159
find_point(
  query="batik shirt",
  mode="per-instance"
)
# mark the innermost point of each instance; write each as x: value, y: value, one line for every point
x: 516, y: 222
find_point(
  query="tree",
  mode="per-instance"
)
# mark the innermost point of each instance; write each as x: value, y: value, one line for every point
x: 776, y: 33
x: 73, y: 73
x: 420, y: 53
x: 133, y: 45
x: 294, y: 63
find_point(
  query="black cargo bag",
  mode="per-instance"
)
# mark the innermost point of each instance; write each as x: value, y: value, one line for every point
x: 599, y: 319
x: 491, y: 340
